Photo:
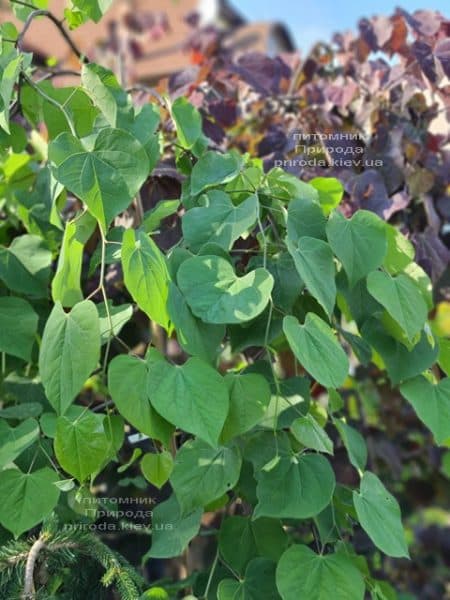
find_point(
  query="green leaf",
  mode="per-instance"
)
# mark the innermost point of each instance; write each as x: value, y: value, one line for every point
x: 400, y: 251
x: 171, y: 529
x: 105, y: 91
x: 127, y: 384
x: 25, y: 266
x: 289, y: 486
x: 26, y: 498
x: 146, y: 275
x: 154, y: 217
x: 296, y: 488
x: 432, y: 405
x: 317, y: 349
x: 194, y: 336
x: 157, y: 468
x: 354, y: 444
x: 18, y: 326
x: 217, y: 295
x: 301, y: 573
x: 330, y: 191
x: 309, y: 433
x: 188, y: 122
x: 13, y: 441
x: 219, y: 221
x: 10, y: 66
x: 314, y: 262
x: 305, y: 218
x: 359, y: 243
x: 213, y: 168
x: 241, y: 539
x: 105, y: 173
x: 92, y: 9
x: 258, y: 583
x: 249, y: 399
x: 66, y: 286
x: 402, y: 299
x: 379, y: 515
x: 444, y: 355
x: 202, y: 474
x: 287, y: 283
x: 82, y: 445
x: 190, y: 388
x: 63, y: 367
x: 120, y: 315
x: 400, y: 363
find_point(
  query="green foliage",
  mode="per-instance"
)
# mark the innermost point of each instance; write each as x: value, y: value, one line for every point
x: 242, y: 343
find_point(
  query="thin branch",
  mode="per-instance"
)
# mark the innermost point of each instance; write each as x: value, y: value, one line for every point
x: 59, y: 24
x: 52, y: 101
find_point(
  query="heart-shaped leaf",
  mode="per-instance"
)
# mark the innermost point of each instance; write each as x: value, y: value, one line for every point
x: 317, y: 349
x: 217, y: 295
x: 26, y: 498
x: 105, y: 174
x: 431, y: 403
x: 193, y: 397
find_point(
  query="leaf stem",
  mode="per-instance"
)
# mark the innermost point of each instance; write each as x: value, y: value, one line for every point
x: 51, y: 101
x: 211, y: 575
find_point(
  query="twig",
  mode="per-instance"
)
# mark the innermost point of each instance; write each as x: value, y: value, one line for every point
x: 55, y: 21
x: 51, y: 101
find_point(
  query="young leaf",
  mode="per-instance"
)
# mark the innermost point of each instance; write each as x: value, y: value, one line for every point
x: 379, y: 515
x: 317, y: 349
x: 157, y: 468
x: 217, y: 295
x: 359, y: 243
x: 146, y: 275
x: 127, y: 383
x: 26, y: 498
x: 432, y: 405
x: 190, y: 389
x: 81, y: 446
x: 330, y: 191
x: 401, y: 298
x: 188, y: 121
x: 69, y: 352
x: 202, y: 474
x: 18, y: 327
x: 301, y: 573
x: 172, y: 541
x: 113, y: 169
x: 314, y: 261
x: 219, y: 221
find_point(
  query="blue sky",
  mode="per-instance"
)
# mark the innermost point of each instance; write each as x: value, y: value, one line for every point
x: 314, y: 19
